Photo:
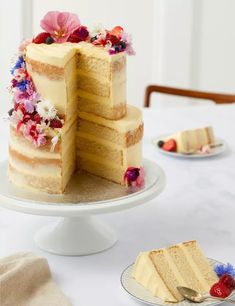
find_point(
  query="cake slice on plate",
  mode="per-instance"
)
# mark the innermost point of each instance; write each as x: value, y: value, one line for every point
x: 161, y: 271
x: 188, y: 141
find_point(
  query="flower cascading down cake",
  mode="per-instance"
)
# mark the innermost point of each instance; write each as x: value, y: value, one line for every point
x: 70, y: 111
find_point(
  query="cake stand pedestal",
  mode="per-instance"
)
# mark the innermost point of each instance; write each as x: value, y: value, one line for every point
x: 79, y: 232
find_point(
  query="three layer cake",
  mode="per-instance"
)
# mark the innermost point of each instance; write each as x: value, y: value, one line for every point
x: 70, y: 108
x: 161, y: 271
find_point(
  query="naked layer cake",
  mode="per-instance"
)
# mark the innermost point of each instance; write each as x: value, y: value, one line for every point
x: 161, y: 271
x: 70, y: 111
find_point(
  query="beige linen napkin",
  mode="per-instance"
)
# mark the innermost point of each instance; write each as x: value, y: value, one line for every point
x: 25, y: 280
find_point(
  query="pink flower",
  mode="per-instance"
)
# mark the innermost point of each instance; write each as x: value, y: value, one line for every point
x: 60, y: 25
x: 23, y: 45
x: 128, y: 41
x: 29, y: 94
x: 34, y: 134
x: 20, y: 74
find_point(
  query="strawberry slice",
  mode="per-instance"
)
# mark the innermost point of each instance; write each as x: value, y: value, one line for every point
x: 220, y: 290
x: 41, y: 38
x: 228, y: 281
x: 170, y: 145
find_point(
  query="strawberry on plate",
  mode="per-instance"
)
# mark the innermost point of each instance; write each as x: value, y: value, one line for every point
x: 228, y: 281
x: 220, y: 290
x: 170, y: 145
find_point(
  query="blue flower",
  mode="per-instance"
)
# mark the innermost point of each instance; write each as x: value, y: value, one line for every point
x: 224, y: 269
x: 19, y: 64
x: 22, y: 85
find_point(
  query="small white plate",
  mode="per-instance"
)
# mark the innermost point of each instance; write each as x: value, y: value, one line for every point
x: 138, y: 292
x: 215, y: 151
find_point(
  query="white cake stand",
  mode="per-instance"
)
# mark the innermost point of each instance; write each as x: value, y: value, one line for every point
x: 79, y: 232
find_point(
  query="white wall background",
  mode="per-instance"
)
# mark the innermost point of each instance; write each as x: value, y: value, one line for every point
x: 184, y: 43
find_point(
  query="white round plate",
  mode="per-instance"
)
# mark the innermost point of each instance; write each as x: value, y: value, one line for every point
x: 214, y: 151
x: 138, y: 292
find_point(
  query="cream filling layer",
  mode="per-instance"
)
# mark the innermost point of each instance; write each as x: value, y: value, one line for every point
x: 117, y: 77
x: 132, y: 156
x: 102, y: 141
x: 38, y: 170
x: 131, y: 121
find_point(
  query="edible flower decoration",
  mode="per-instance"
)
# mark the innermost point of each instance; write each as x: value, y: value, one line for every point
x: 134, y: 177
x: 31, y: 115
x: 222, y: 269
x: 115, y: 41
x: 226, y: 284
x: 60, y: 25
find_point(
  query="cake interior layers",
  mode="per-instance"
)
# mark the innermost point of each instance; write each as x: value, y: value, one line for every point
x: 107, y: 148
x: 192, y: 140
x: 79, y: 76
x: 161, y: 271
x: 39, y: 168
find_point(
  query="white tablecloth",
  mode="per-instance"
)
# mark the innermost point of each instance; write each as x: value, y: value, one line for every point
x: 198, y: 203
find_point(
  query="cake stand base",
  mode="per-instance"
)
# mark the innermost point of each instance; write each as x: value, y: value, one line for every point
x: 79, y: 232
x: 76, y: 236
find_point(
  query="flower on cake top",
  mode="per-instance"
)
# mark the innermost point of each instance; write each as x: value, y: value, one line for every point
x: 115, y: 41
x: 60, y: 25
x: 134, y: 177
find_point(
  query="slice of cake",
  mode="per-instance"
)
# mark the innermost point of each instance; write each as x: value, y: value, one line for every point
x: 188, y: 141
x: 161, y: 271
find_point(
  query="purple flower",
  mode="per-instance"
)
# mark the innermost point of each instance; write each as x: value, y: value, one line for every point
x: 127, y: 39
x: 22, y: 85
x: 224, y: 269
x: 19, y: 64
x: 29, y: 106
x: 134, y: 177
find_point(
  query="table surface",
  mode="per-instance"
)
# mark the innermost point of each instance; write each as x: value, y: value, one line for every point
x: 198, y: 203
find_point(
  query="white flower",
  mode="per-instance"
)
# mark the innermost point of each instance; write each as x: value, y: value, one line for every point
x: 99, y: 31
x: 54, y: 142
x: 46, y: 110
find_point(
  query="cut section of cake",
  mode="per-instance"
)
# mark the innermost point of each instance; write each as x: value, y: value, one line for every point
x: 190, y: 141
x: 161, y: 271
x: 106, y: 147
x: 79, y: 77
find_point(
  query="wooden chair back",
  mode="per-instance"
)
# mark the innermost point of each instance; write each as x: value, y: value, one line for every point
x: 215, y: 97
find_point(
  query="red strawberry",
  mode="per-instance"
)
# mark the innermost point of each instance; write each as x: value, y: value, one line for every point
x: 73, y: 38
x: 170, y: 145
x: 56, y: 124
x: 228, y: 281
x: 220, y: 290
x: 41, y: 38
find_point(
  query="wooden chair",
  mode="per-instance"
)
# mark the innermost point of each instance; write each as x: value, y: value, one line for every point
x: 216, y: 97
